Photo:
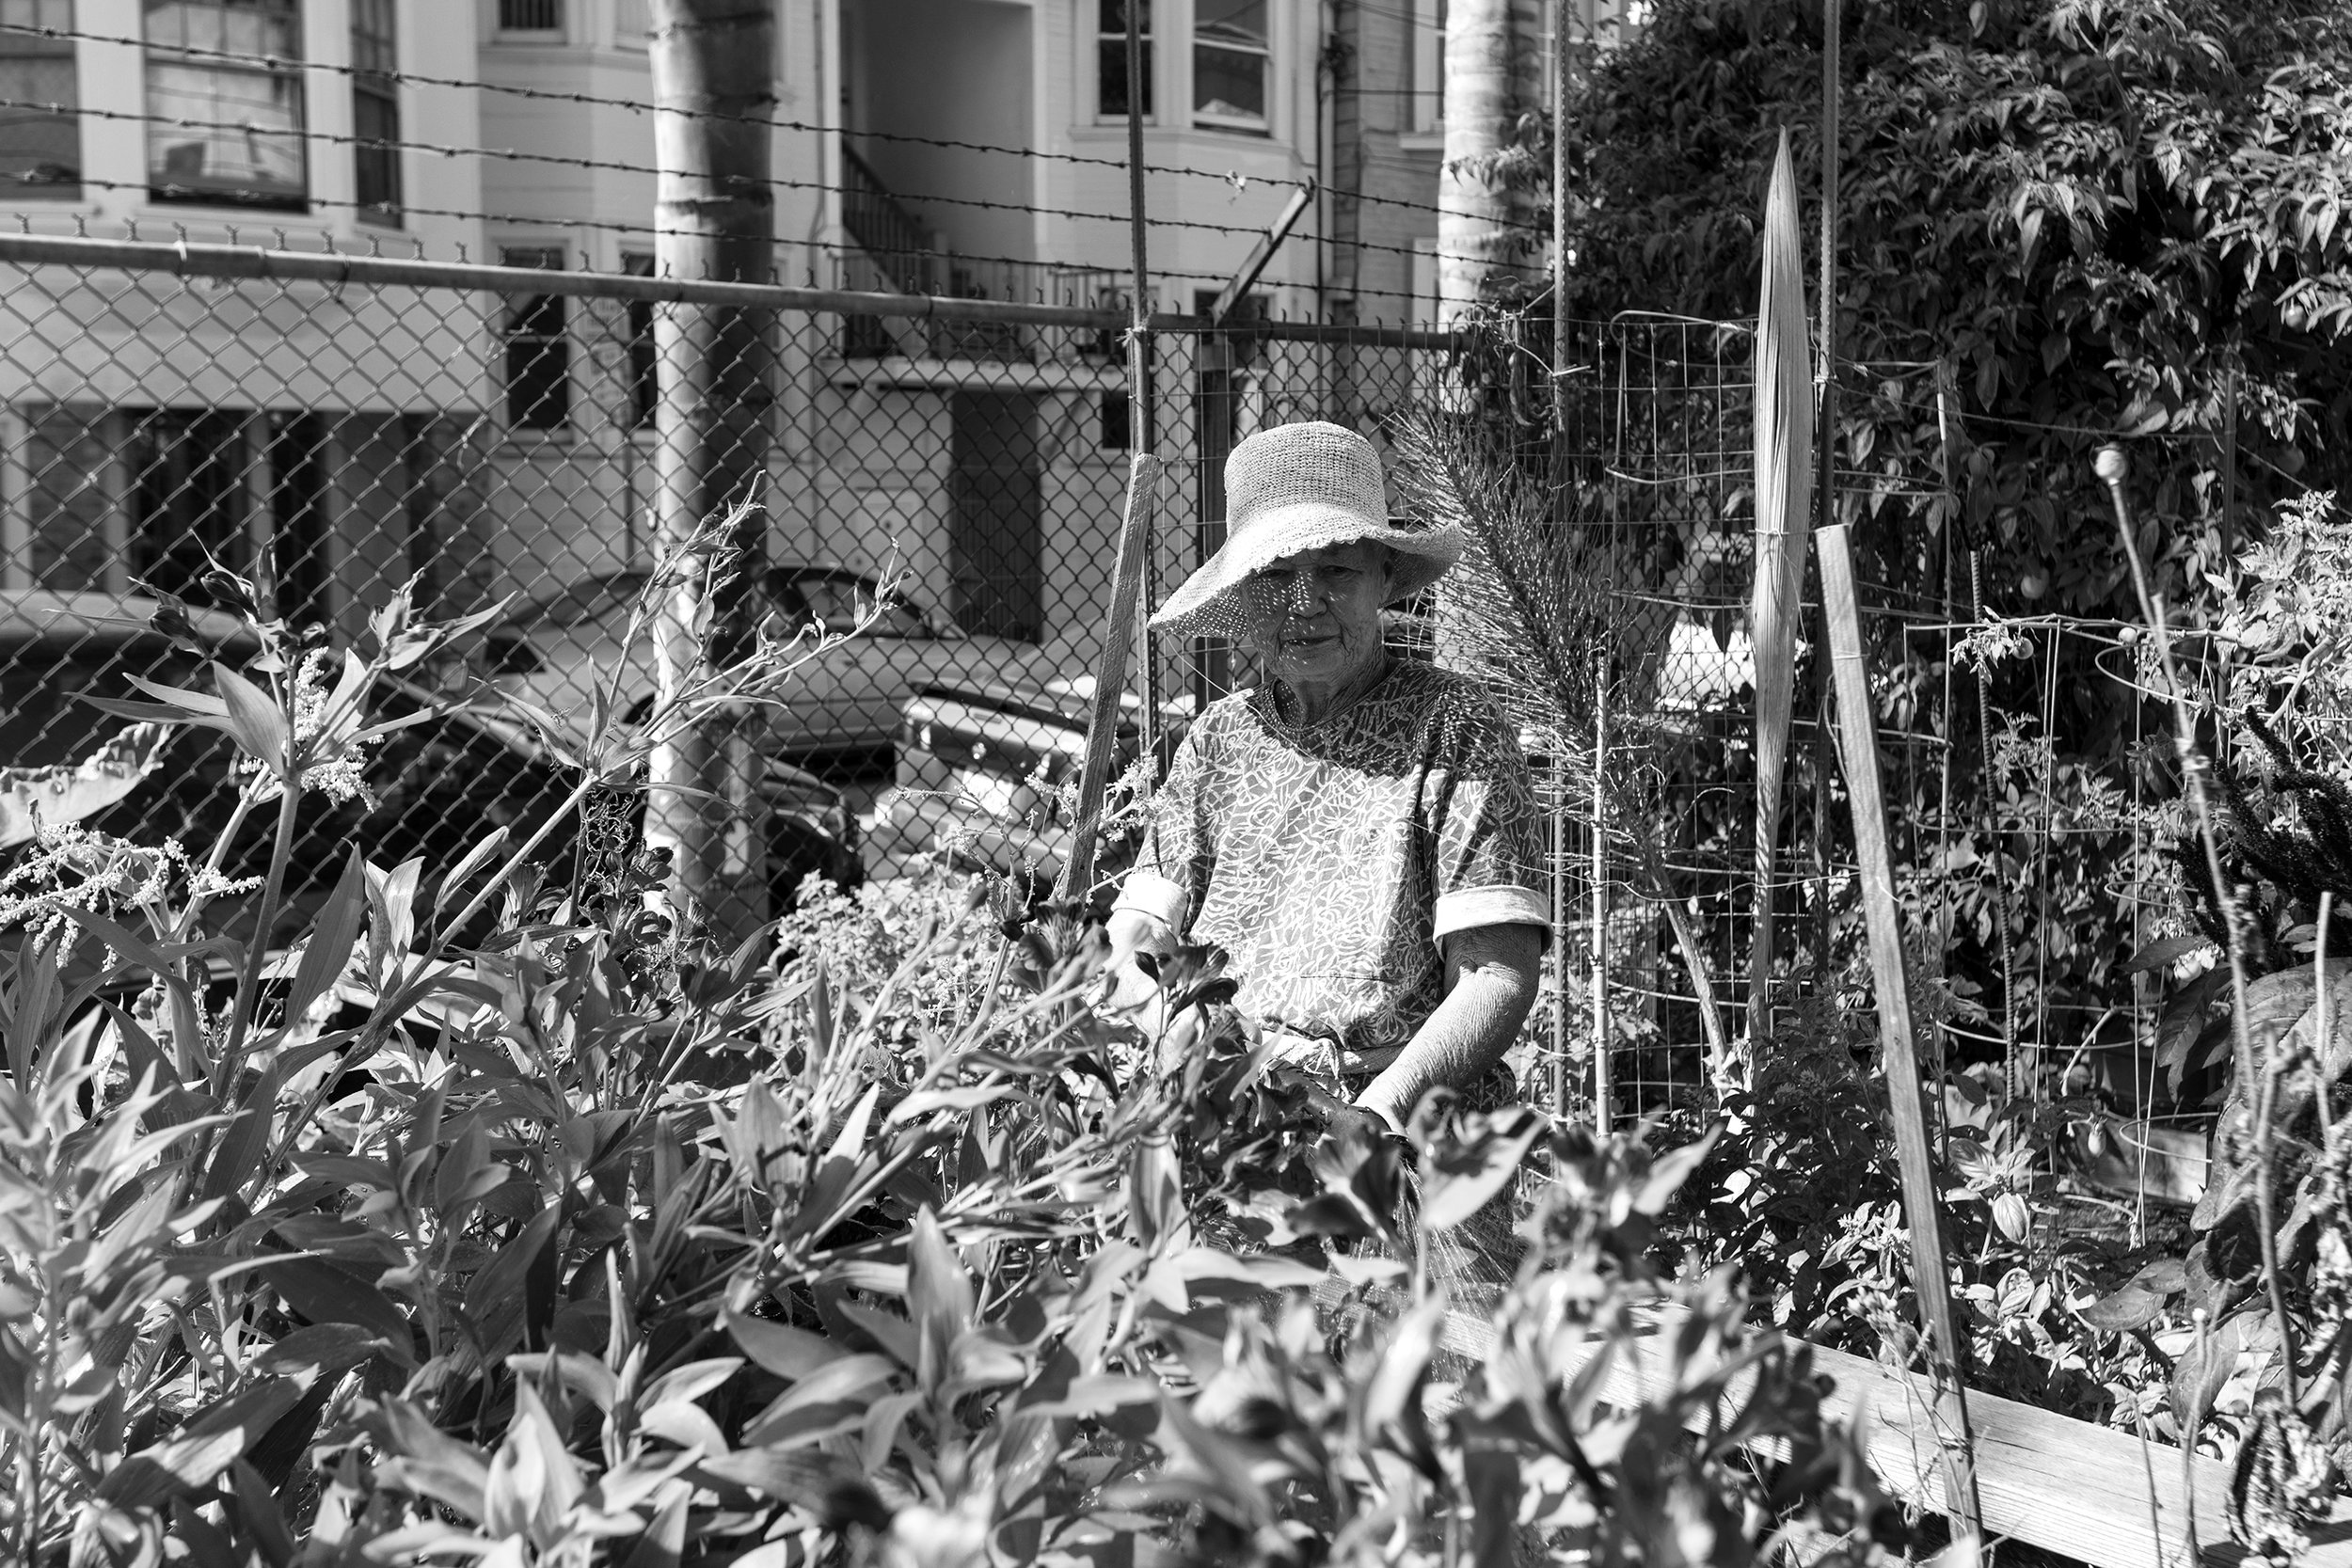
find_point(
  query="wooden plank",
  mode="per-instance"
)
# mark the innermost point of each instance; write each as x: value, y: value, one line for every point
x: 1931, y: 1275
x: 2044, y: 1479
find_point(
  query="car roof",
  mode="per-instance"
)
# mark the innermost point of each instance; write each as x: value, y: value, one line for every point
x: 67, y: 622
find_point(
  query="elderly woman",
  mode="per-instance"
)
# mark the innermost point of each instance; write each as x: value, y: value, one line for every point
x: 1358, y: 832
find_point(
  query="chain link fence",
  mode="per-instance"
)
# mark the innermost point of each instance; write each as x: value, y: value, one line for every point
x: 946, y: 476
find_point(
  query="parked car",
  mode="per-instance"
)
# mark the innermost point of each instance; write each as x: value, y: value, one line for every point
x: 439, y: 784
x: 554, y: 650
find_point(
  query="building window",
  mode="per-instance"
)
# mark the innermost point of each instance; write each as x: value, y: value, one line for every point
x: 375, y: 110
x: 224, y: 101
x: 630, y: 24
x: 1110, y: 56
x: 41, y: 135
x: 538, y: 349
x: 1229, y: 64
x: 542, y: 16
x: 645, y: 371
x: 1428, y: 83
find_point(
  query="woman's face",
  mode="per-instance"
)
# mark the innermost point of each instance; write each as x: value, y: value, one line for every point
x: 1315, y: 616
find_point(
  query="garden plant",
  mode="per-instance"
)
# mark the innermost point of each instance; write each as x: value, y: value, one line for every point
x: 488, y: 1212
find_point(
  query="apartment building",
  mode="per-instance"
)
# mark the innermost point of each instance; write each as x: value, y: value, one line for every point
x: 965, y: 147
x: 146, y: 426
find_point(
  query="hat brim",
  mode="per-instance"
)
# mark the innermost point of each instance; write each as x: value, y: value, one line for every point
x: 1206, y: 604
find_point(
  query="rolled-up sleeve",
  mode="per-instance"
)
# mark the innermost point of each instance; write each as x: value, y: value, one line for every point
x: 1172, y: 871
x: 1487, y: 829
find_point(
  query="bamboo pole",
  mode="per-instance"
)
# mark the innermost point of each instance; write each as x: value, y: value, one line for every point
x: 1559, y: 436
x: 1931, y: 1272
x: 1604, y: 1083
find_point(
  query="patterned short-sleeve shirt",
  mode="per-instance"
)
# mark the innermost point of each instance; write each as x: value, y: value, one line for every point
x: 1329, y: 860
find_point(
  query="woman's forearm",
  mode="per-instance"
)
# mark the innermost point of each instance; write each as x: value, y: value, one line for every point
x: 1492, y: 972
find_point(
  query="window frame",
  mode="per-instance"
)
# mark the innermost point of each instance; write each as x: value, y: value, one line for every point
x: 553, y: 256
x: 26, y: 46
x: 1201, y: 120
x: 291, y: 74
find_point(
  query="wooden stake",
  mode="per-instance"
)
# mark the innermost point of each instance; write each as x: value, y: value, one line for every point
x: 1110, y: 671
x: 1857, y: 733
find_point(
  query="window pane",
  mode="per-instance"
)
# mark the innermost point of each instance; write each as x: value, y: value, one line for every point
x: 1229, y: 83
x: 374, y: 42
x: 644, y: 372
x: 1112, y: 80
x: 539, y: 351
x: 1110, y: 75
x: 374, y: 110
x: 40, y: 147
x: 1230, y: 21
x: 376, y: 117
x: 531, y: 16
x: 221, y: 132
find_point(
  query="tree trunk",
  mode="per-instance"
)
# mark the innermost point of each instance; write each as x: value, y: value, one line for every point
x: 713, y: 76
x: 1494, y: 62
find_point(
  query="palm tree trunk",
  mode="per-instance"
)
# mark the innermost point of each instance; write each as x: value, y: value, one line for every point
x: 713, y: 79
x: 1494, y: 72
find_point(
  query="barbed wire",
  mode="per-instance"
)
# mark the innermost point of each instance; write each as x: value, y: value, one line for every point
x: 517, y: 221
x: 277, y: 62
x: 388, y: 144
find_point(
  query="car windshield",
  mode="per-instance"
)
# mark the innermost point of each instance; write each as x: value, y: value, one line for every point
x: 841, y: 604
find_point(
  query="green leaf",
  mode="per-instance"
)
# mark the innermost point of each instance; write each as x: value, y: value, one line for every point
x: 333, y: 935
x: 202, y: 1450
x: 325, y: 1292
x: 2165, y: 952
x: 789, y: 1352
x: 238, y: 1157
x: 254, y: 721
x: 940, y: 1298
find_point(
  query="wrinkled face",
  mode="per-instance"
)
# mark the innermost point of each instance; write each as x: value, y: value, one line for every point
x: 1315, y: 616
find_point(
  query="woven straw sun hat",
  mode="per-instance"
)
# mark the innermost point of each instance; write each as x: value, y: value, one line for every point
x: 1293, y: 488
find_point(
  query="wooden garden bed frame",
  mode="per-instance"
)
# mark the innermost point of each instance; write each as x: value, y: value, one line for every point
x: 2067, y: 1486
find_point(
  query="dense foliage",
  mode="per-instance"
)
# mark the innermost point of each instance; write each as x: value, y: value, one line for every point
x: 2061, y: 222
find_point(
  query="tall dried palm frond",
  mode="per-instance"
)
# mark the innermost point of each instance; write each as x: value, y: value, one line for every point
x: 1784, y: 494
x: 1534, y: 610
x: 1529, y: 609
